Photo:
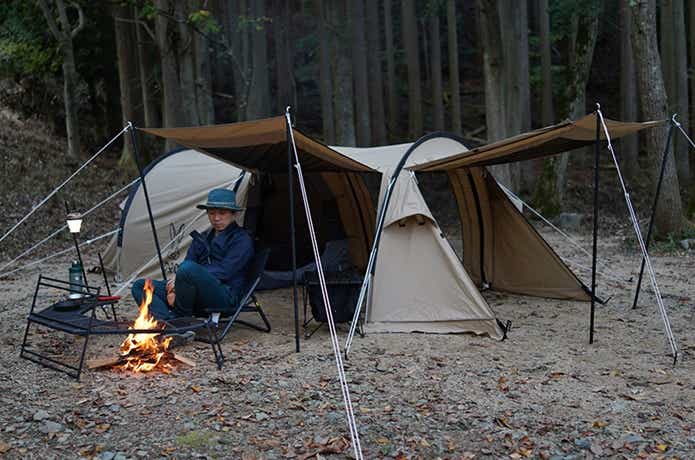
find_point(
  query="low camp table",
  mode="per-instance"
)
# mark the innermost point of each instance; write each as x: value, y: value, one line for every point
x: 79, y: 317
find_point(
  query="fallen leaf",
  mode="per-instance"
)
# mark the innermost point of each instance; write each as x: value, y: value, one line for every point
x: 599, y: 424
x: 196, y: 389
x: 662, y: 447
x: 4, y: 447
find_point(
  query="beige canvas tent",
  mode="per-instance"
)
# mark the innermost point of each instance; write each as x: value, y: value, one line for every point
x: 132, y: 250
x: 501, y: 250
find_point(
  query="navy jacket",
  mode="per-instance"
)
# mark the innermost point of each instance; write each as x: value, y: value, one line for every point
x: 226, y: 255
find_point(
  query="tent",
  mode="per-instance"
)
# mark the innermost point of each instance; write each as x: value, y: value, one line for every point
x: 173, y: 206
x: 502, y: 251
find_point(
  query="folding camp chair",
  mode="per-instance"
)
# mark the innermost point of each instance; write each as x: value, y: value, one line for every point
x: 221, y: 324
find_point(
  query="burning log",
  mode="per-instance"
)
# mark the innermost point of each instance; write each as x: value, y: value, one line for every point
x: 143, y: 351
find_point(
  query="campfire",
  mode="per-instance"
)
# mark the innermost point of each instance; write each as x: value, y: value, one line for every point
x: 142, y: 351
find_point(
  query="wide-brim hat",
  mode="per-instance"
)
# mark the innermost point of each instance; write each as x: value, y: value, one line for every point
x: 221, y: 198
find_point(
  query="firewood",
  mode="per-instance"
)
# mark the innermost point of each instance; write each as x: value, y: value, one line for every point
x: 104, y: 362
x: 184, y: 360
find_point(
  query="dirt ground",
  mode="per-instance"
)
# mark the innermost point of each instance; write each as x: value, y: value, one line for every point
x: 542, y: 393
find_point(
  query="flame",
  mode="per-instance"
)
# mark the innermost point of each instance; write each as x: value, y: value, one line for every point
x: 144, y: 351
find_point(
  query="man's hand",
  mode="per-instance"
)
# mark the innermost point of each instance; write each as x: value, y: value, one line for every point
x: 171, y: 294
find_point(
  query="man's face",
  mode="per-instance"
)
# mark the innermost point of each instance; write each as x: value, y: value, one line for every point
x: 220, y: 218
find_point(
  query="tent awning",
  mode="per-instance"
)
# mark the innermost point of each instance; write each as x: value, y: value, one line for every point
x: 547, y: 141
x: 259, y: 145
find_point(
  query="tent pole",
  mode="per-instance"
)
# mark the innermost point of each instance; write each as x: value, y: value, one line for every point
x: 656, y: 201
x: 595, y: 235
x: 290, y: 177
x: 147, y: 197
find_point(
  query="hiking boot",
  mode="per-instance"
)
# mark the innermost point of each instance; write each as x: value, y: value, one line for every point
x: 180, y: 339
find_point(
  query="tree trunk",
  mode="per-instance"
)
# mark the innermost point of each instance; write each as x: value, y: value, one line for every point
x: 547, y: 110
x: 376, y: 85
x: 410, y: 42
x: 680, y: 86
x: 172, y: 111
x: 239, y: 36
x: 259, y: 92
x: 550, y: 189
x: 516, y: 89
x: 186, y: 65
x: 454, y: 88
x: 64, y: 36
x: 146, y: 71
x: 652, y: 93
x: 203, y: 75
x: 343, y: 102
x: 71, y: 78
x: 283, y: 54
x: 391, y: 97
x: 491, y: 40
x: 325, y: 80
x: 127, y: 74
x: 359, y: 65
x: 629, y: 145
x: 436, y: 55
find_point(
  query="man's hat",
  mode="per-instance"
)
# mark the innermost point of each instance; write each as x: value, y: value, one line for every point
x: 221, y: 198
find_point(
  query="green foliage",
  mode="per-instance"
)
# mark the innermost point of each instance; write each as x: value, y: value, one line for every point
x: 204, y: 21
x: 23, y: 47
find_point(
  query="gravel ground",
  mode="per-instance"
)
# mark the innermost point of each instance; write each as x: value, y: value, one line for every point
x: 542, y: 393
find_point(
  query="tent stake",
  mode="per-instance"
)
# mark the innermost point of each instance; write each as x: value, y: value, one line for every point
x: 290, y: 177
x: 595, y: 235
x: 147, y: 197
x: 656, y: 201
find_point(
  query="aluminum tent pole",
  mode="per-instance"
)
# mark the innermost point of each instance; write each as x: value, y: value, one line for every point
x: 147, y: 197
x: 290, y: 178
x: 595, y: 234
x: 656, y: 201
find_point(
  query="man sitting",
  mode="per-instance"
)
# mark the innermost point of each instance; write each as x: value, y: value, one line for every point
x: 212, y: 276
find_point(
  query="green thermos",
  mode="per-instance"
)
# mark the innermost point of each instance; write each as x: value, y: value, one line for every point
x: 75, y: 278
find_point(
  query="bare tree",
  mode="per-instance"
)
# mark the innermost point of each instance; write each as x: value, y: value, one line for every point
x: 286, y: 84
x: 259, y: 91
x: 376, y: 85
x: 550, y: 189
x: 410, y: 42
x: 516, y: 88
x: 128, y: 75
x: 64, y: 32
x: 628, y: 94
x: 652, y: 94
x: 436, y: 64
x: 493, y: 69
x: 674, y: 66
x: 325, y: 79
x: 344, y: 109
x: 547, y: 110
x: 390, y: 69
x: 454, y: 87
x: 359, y: 65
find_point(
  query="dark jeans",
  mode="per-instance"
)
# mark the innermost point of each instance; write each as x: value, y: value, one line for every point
x: 198, y: 293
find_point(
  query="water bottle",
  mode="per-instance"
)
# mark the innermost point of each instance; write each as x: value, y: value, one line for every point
x: 76, y: 280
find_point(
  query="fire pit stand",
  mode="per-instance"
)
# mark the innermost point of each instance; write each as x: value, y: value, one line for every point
x: 79, y: 317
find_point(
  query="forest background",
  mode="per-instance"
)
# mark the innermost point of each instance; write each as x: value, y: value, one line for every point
x: 364, y: 73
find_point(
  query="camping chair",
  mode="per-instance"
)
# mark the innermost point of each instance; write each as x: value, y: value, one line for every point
x: 219, y: 325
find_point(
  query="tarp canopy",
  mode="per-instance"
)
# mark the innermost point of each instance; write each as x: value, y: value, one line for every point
x: 259, y: 145
x: 539, y: 143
